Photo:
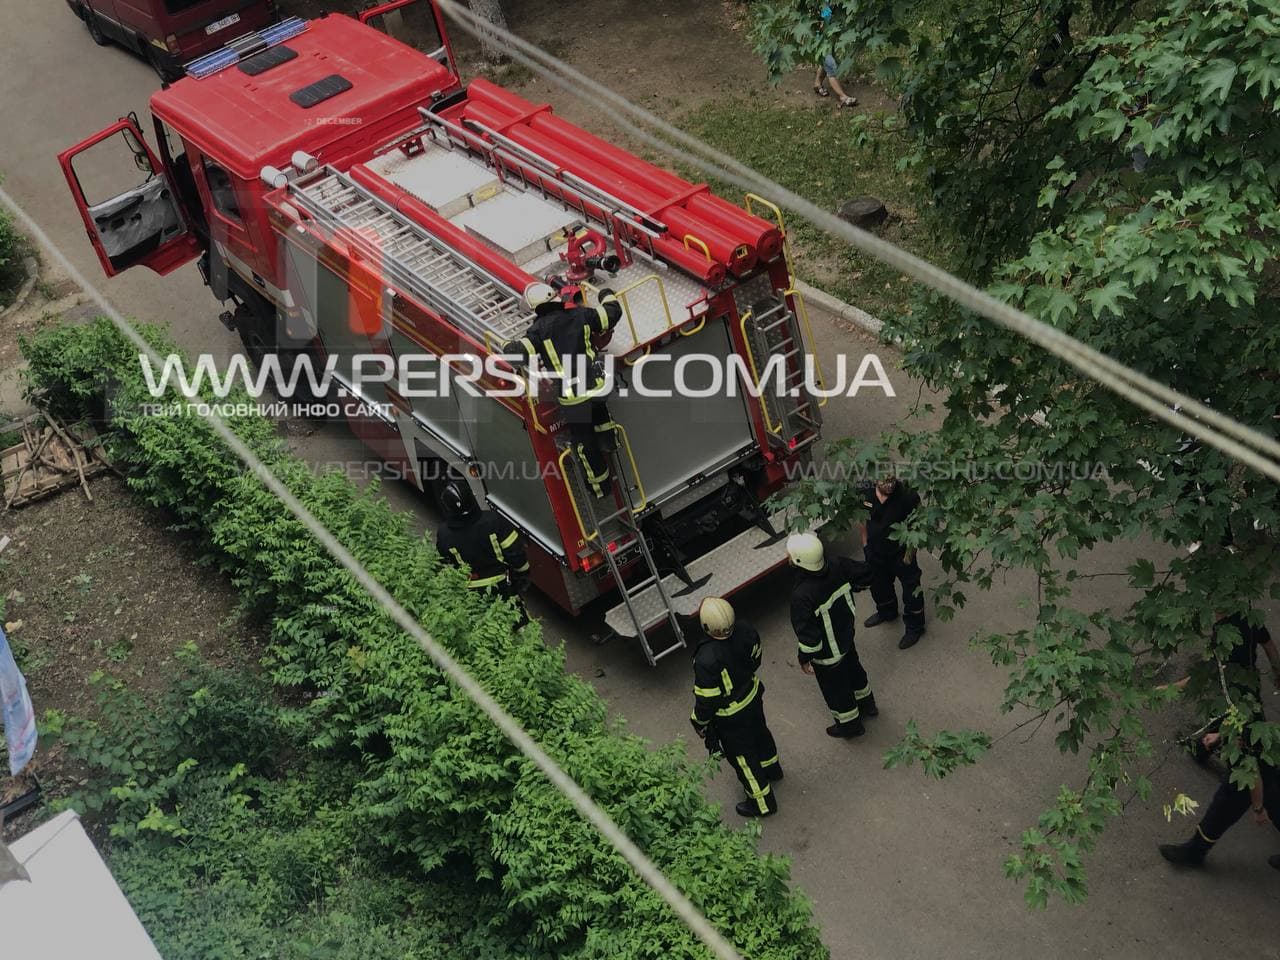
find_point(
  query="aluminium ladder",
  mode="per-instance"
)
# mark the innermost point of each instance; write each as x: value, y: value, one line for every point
x: 413, y: 259
x: 625, y: 518
x: 773, y: 330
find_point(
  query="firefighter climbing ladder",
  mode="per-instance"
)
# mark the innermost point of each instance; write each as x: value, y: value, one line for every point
x: 413, y: 260
x: 623, y: 522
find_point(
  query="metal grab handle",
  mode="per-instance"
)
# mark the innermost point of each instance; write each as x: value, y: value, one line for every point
x: 635, y: 469
x: 782, y: 227
x: 573, y: 501
x: 626, y: 306
x: 755, y: 374
x: 702, y: 322
x: 706, y: 252
x: 803, y: 312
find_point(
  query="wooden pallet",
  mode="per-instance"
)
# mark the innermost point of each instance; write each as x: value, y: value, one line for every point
x: 50, y: 458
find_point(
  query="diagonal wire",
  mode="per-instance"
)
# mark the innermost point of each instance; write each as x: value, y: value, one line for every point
x: 1239, y: 441
x: 592, y: 812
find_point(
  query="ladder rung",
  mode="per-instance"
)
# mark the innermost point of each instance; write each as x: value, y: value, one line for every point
x: 635, y: 589
x: 678, y: 645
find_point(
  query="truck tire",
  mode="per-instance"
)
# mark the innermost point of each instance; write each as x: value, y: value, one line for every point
x: 257, y: 336
x: 94, y: 27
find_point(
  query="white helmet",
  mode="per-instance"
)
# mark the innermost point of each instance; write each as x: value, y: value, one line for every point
x: 538, y: 293
x: 717, y: 617
x: 804, y: 550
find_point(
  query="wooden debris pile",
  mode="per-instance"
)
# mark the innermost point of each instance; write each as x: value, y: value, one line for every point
x: 51, y: 457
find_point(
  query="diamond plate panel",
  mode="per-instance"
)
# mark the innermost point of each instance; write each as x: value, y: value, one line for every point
x: 732, y: 565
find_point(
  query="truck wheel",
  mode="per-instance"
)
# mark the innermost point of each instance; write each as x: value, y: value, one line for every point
x: 95, y: 28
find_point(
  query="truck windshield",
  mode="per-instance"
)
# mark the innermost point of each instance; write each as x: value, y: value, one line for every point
x: 177, y: 6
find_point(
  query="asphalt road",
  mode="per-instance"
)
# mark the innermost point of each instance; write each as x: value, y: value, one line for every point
x: 897, y: 866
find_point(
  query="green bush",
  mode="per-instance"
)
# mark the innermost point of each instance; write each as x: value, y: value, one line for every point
x: 250, y: 858
x: 438, y: 783
x: 13, y: 247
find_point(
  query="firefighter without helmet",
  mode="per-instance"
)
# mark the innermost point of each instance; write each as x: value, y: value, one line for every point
x: 538, y: 293
x: 717, y: 617
x: 804, y: 550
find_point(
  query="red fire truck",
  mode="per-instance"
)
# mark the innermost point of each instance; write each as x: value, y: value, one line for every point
x: 347, y: 193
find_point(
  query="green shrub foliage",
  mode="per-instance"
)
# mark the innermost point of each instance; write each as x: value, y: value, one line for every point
x: 438, y: 785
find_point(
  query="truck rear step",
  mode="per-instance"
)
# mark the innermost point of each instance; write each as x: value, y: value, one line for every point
x: 735, y: 563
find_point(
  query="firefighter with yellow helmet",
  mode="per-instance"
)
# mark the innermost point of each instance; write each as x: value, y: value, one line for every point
x: 823, y: 617
x: 728, y: 704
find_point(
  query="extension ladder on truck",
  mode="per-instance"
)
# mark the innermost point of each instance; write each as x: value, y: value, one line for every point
x: 412, y: 259
x: 614, y: 532
x: 772, y: 329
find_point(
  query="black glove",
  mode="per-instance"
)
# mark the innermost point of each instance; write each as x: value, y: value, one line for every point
x: 712, y: 740
x: 603, y: 293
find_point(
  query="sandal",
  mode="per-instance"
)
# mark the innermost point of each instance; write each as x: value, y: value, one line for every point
x: 848, y: 102
x: 821, y: 90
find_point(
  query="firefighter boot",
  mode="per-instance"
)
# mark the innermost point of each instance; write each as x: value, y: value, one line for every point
x: 878, y: 618
x: 910, y: 638
x: 751, y: 807
x: 847, y: 730
x: 1189, y: 854
x: 867, y: 706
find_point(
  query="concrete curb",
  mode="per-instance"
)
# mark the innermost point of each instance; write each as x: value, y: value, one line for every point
x: 845, y: 311
x: 24, y: 291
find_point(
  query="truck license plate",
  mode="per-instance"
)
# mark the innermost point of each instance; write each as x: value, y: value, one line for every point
x: 222, y: 24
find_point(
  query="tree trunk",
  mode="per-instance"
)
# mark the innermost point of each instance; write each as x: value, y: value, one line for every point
x: 491, y: 10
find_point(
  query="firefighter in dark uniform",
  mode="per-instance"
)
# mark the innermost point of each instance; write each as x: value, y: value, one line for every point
x: 890, y: 503
x: 484, y: 542
x: 824, y: 618
x: 1238, y: 669
x: 564, y: 338
x: 728, y: 704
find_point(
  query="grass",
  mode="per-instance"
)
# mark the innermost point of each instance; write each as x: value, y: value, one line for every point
x: 829, y: 157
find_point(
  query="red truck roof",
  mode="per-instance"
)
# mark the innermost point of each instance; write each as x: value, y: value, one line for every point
x: 249, y: 121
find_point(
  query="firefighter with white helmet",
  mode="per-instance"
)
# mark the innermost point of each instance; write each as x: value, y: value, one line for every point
x: 564, y: 339
x: 483, y: 542
x: 824, y: 617
x: 728, y: 704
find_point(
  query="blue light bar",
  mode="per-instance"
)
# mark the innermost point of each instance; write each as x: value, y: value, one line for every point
x: 246, y: 46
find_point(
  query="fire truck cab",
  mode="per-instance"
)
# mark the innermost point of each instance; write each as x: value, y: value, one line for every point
x: 349, y: 195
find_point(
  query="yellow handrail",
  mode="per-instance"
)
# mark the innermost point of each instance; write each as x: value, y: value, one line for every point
x: 635, y: 469
x: 755, y: 375
x: 626, y: 307
x: 808, y: 332
x: 706, y: 252
x: 782, y: 227
x: 702, y: 322
x: 573, y: 501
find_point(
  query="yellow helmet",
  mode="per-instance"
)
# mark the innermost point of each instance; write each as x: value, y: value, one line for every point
x: 804, y: 550
x: 717, y: 617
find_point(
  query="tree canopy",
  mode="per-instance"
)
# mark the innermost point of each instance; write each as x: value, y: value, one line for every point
x: 1113, y: 169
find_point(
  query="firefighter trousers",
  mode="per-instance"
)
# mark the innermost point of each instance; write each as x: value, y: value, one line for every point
x: 592, y: 438
x: 844, y: 686
x: 902, y: 568
x: 749, y: 748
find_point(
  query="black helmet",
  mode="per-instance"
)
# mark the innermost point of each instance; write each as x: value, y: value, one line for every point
x: 456, y: 501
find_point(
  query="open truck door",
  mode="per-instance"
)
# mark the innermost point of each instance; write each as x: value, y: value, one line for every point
x: 422, y: 26
x: 143, y: 225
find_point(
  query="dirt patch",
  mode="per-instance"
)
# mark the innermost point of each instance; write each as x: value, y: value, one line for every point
x: 105, y: 586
